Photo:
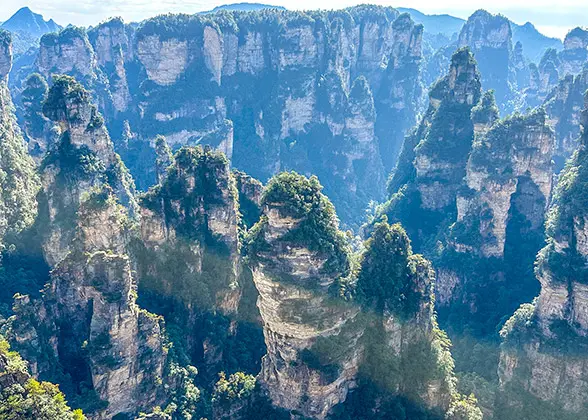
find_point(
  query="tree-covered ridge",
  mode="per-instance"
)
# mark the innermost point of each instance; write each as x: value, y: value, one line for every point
x: 23, y: 397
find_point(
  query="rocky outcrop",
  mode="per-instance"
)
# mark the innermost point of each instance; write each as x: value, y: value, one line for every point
x: 19, y: 183
x: 574, y: 57
x: 507, y: 189
x: 68, y: 52
x: 433, y: 162
x: 564, y: 105
x: 188, y: 256
x: 513, y: 148
x: 543, y: 356
x: 490, y: 39
x: 87, y: 324
x: 113, y: 49
x: 555, y: 65
x: 41, y: 133
x: 83, y: 161
x: 195, y: 207
x: 395, y: 289
x: 331, y: 334
x: 295, y: 279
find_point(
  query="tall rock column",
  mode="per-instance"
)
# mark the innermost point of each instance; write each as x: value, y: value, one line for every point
x: 434, y: 157
x: 298, y: 257
x: 543, y: 363
x: 86, y: 329
x: 490, y: 39
x: 82, y: 161
x: 188, y: 257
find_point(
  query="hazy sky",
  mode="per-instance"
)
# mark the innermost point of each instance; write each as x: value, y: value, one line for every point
x: 550, y: 16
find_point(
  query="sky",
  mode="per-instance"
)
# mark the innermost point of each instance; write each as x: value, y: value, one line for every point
x: 552, y: 17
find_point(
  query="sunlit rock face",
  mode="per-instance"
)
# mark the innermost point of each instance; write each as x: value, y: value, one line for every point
x: 82, y: 161
x: 564, y: 106
x: 273, y: 90
x: 323, y: 345
x: 520, y: 147
x: 298, y: 302
x: 544, y: 353
x: 86, y: 325
x: 574, y: 57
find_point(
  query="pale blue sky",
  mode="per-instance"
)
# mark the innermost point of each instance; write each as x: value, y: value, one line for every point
x: 550, y: 16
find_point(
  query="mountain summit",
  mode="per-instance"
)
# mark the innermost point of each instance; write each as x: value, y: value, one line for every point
x: 25, y: 20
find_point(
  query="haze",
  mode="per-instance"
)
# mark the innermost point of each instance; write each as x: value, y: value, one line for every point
x: 551, y: 17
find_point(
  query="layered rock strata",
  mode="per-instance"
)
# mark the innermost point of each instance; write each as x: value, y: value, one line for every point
x: 273, y: 88
x: 543, y: 360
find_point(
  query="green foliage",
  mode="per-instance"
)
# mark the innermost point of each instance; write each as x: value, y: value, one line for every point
x: 386, y: 280
x: 301, y: 198
x: 19, y: 182
x: 185, y: 398
x: 24, y: 398
x: 238, y: 386
x: 464, y: 409
x: 517, y: 325
x: 65, y: 94
x: 486, y: 112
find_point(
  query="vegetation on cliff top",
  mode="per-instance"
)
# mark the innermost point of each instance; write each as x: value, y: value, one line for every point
x: 298, y: 197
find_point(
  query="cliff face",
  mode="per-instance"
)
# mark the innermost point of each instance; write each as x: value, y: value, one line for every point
x: 84, y: 160
x: 575, y: 54
x: 564, y: 105
x: 434, y: 158
x: 188, y: 259
x: 273, y: 90
x: 513, y: 148
x: 490, y: 39
x: 297, y: 282
x: 543, y: 356
x: 68, y: 52
x: 86, y: 326
x: 324, y: 351
x: 507, y: 188
x: 19, y: 183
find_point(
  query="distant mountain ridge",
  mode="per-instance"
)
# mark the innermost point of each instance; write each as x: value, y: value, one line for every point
x: 444, y: 24
x: 244, y: 7
x: 27, y: 27
x: 534, y: 42
x: 25, y: 20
